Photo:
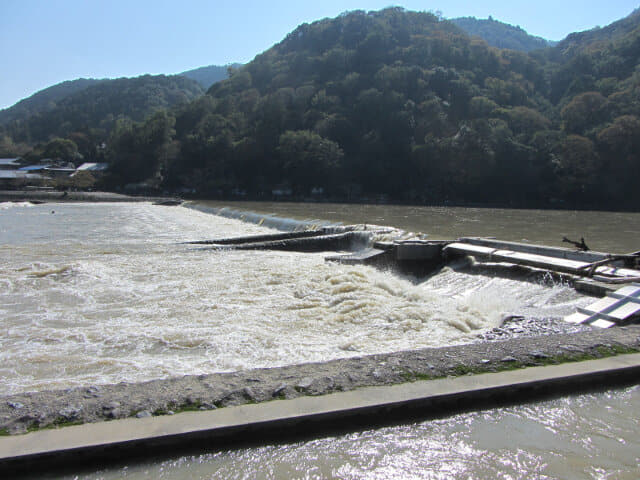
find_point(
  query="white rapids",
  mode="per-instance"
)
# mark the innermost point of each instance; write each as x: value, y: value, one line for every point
x: 103, y: 293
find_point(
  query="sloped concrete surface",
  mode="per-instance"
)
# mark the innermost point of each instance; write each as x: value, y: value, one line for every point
x: 139, y: 437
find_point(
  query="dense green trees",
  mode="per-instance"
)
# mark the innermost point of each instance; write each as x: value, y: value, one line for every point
x: 308, y: 160
x: 61, y: 148
x: 405, y: 104
x: 44, y: 100
x: 142, y: 151
x: 401, y: 104
x: 501, y: 35
x: 93, y: 108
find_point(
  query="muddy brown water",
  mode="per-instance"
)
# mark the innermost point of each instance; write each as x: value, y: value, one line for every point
x: 93, y: 289
x: 615, y: 232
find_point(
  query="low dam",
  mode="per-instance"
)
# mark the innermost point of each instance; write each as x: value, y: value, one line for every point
x: 142, y: 311
x: 385, y: 247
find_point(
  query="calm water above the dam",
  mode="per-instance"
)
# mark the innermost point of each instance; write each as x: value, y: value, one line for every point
x: 102, y: 293
x: 616, y: 232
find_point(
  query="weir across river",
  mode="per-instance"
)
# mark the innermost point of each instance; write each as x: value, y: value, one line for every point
x: 113, y: 314
x: 592, y: 272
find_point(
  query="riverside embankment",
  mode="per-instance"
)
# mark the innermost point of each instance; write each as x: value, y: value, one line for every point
x: 93, y: 403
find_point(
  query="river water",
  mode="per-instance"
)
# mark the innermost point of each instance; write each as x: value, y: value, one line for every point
x: 102, y: 293
x: 615, y: 232
x: 593, y: 436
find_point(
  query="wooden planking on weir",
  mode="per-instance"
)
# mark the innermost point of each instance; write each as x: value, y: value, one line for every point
x: 550, y: 258
x: 616, y: 308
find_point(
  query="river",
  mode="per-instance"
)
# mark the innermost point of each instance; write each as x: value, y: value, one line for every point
x: 592, y: 436
x: 103, y: 293
x: 615, y: 232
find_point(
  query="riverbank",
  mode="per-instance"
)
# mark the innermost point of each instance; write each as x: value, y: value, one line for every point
x: 44, y: 196
x: 321, y: 202
x: 95, y: 403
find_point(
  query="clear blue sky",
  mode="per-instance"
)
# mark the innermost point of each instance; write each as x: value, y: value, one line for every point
x: 43, y: 42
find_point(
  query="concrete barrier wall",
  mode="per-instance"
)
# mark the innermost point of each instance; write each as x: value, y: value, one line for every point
x: 117, y: 441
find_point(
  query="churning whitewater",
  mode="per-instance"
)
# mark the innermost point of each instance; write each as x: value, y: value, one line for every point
x: 104, y: 293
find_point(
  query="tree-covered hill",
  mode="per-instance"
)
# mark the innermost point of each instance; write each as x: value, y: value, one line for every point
x: 599, y: 37
x: 391, y: 102
x: 44, y: 100
x: 501, y: 35
x: 207, y: 76
x: 406, y: 106
x: 603, y: 60
x: 94, y: 109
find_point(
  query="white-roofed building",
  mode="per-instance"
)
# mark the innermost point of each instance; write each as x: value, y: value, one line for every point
x: 9, y: 163
x: 18, y: 178
x: 93, y: 167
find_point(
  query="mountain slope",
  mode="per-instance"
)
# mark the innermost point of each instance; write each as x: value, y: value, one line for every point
x: 368, y: 103
x: 598, y: 38
x: 98, y: 106
x: 402, y: 104
x: 44, y: 100
x: 602, y: 59
x: 207, y: 76
x: 392, y: 104
x: 501, y: 35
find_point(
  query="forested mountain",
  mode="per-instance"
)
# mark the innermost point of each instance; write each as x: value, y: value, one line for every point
x: 93, y: 110
x: 409, y: 107
x: 207, y: 76
x: 603, y: 60
x: 390, y: 102
x: 48, y: 98
x: 598, y: 38
x: 44, y: 100
x: 501, y: 35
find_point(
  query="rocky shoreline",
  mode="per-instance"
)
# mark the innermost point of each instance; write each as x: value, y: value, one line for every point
x: 517, y: 344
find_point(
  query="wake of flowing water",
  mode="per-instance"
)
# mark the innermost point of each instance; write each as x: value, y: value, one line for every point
x: 102, y: 293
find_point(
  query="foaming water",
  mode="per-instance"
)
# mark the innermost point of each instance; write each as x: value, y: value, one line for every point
x: 103, y: 293
x: 8, y: 205
x: 267, y: 220
x: 592, y: 436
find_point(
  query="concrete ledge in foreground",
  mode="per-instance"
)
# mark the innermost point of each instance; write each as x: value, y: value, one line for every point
x: 115, y: 440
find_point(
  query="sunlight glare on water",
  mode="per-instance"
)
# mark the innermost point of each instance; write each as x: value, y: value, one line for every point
x: 591, y: 436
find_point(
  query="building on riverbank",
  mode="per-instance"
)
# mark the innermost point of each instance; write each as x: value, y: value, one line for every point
x: 9, y: 163
x: 11, y: 179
